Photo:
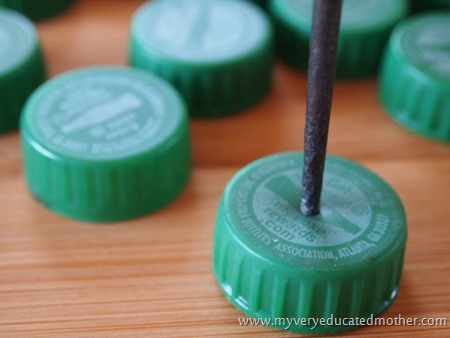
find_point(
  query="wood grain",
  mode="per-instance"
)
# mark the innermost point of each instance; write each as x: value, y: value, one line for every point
x: 152, y: 277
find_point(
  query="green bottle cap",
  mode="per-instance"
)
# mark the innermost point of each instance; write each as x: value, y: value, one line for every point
x: 105, y: 144
x: 421, y: 5
x: 22, y: 67
x: 38, y: 9
x: 415, y: 76
x: 274, y: 263
x: 365, y: 29
x: 218, y: 54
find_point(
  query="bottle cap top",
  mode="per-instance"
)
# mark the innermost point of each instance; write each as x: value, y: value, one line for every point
x: 217, y: 53
x: 105, y: 144
x: 273, y: 262
x: 365, y: 29
x: 415, y: 77
x: 22, y: 67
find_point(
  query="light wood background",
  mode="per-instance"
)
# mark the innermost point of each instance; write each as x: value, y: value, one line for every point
x: 153, y: 277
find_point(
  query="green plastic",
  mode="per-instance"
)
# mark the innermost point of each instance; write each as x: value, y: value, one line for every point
x: 218, y: 54
x: 38, y: 9
x: 22, y: 66
x: 425, y: 5
x: 415, y: 76
x: 272, y: 262
x: 105, y: 144
x: 365, y: 29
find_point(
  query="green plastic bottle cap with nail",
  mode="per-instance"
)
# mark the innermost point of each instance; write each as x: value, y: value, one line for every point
x: 273, y: 262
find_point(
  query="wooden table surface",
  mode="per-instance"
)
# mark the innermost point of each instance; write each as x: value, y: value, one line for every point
x: 152, y: 277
